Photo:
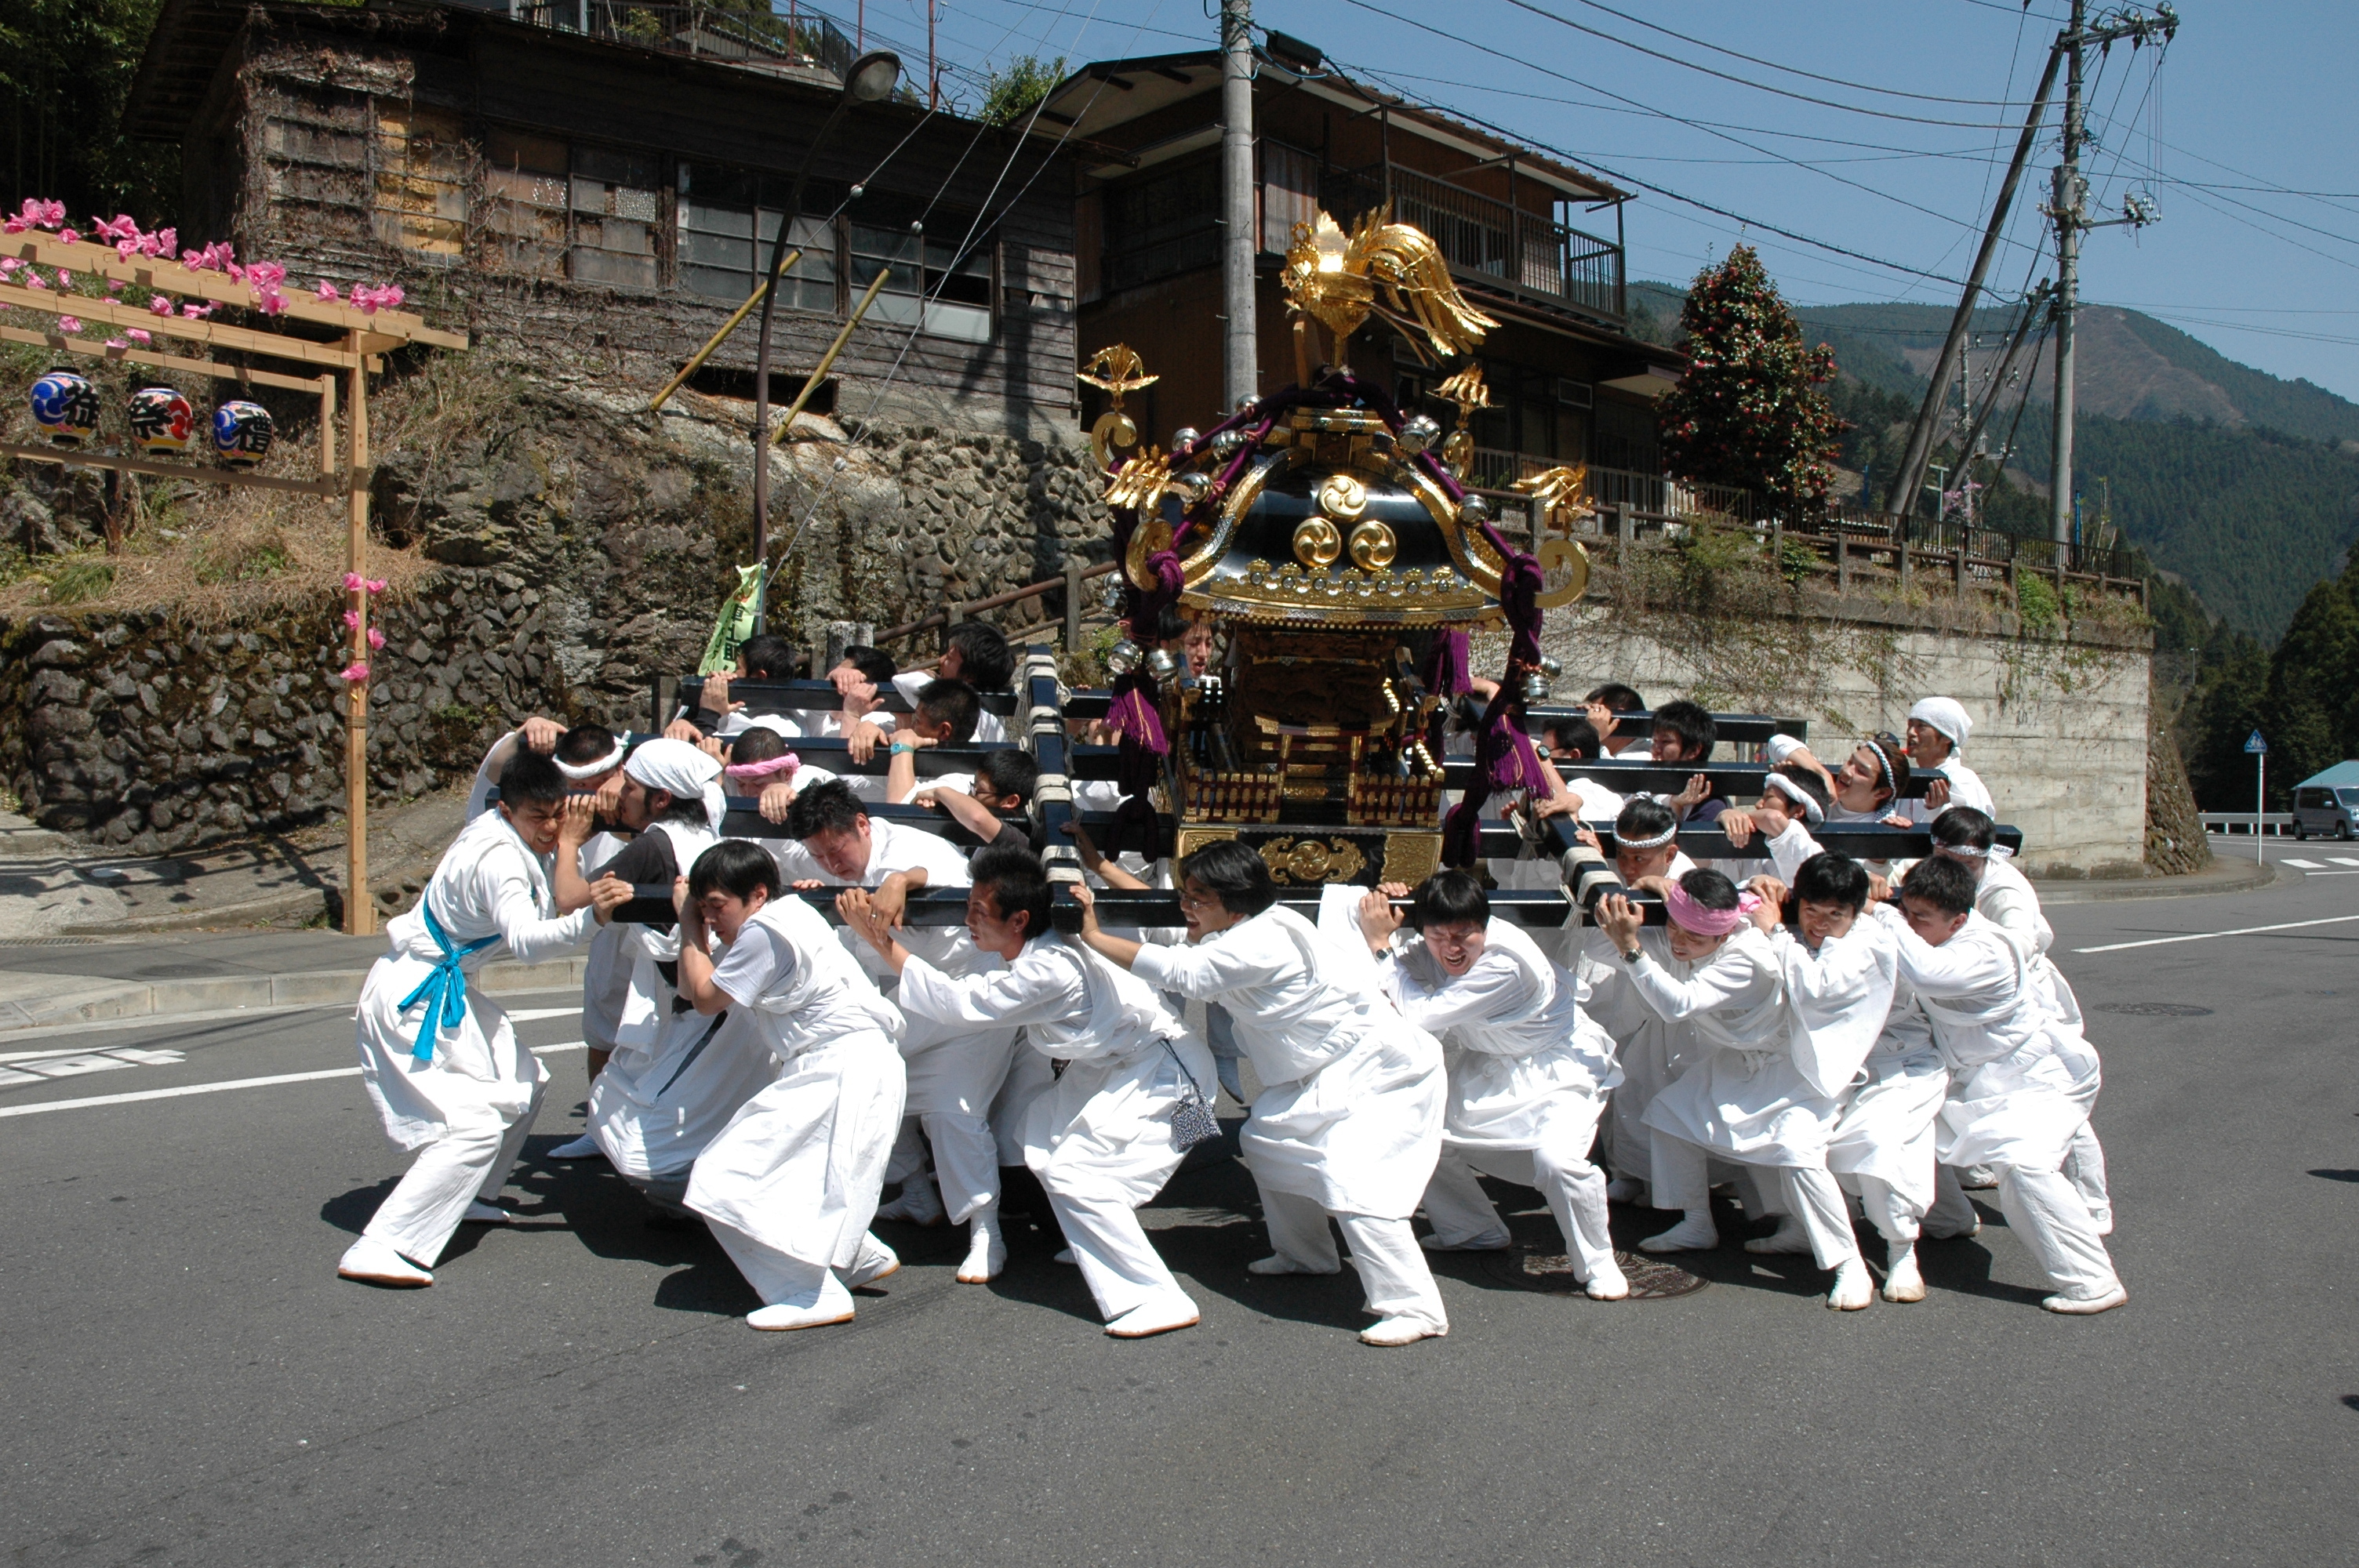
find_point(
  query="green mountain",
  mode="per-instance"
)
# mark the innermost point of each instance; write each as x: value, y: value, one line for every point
x: 2242, y: 484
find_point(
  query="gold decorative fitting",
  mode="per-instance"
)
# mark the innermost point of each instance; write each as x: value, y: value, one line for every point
x: 1140, y: 481
x: 1152, y: 534
x: 1373, y: 546
x: 1112, y: 433
x: 1391, y: 269
x: 1317, y: 542
x: 1117, y: 369
x: 1410, y: 858
x: 1564, y: 562
x: 1343, y: 497
x: 1312, y: 860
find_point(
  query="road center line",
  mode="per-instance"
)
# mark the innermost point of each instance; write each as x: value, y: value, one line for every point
x: 2208, y: 935
x: 186, y: 1089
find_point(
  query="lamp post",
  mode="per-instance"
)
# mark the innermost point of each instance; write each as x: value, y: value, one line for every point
x: 872, y: 77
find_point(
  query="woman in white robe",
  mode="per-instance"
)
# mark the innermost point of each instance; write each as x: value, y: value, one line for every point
x: 1528, y: 1072
x: 442, y: 1065
x: 2012, y: 1103
x: 1101, y: 1138
x: 1348, y: 1123
x: 790, y: 1185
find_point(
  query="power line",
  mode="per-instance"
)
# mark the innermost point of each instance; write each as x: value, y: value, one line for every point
x: 1788, y: 70
x: 1757, y: 86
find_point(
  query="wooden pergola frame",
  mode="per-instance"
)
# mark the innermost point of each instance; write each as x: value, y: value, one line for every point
x: 365, y: 338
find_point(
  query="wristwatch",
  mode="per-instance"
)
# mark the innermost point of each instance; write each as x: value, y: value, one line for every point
x: 1634, y: 955
x: 901, y: 749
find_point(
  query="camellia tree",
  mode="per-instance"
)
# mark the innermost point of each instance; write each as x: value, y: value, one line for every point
x: 1749, y: 412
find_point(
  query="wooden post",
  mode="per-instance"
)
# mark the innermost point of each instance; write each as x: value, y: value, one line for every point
x: 360, y: 908
x: 1074, y: 566
x: 1621, y: 535
x: 1958, y: 562
x: 1903, y: 551
x: 1842, y: 560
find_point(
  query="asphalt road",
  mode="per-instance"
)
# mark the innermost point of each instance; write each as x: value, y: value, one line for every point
x: 189, y: 1383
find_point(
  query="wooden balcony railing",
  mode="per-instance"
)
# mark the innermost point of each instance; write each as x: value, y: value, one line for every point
x: 1487, y: 240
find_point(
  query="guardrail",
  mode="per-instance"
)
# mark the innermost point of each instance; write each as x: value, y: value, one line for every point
x: 2274, y: 823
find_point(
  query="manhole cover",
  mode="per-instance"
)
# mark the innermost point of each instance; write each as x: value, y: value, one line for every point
x: 50, y: 941
x: 2154, y: 1009
x: 1651, y: 1279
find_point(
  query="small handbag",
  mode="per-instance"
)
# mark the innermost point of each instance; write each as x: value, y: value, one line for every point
x: 1192, y: 1121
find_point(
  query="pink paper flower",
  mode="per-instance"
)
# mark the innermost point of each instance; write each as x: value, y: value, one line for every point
x: 196, y: 312
x: 158, y: 305
x: 165, y: 239
x: 126, y: 249
x: 70, y: 237
x: 33, y: 278
x: 326, y: 292
x: 138, y: 334
x: 375, y: 585
x: 52, y: 214
x: 352, y: 619
x: 375, y: 638
x: 354, y: 673
x: 117, y: 343
x: 8, y: 266
x: 351, y: 582
x: 69, y: 323
x: 115, y: 285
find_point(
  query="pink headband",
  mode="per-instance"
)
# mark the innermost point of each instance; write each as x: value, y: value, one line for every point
x: 784, y: 763
x: 1693, y: 916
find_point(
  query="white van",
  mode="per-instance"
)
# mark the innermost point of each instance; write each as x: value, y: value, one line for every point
x: 2330, y: 813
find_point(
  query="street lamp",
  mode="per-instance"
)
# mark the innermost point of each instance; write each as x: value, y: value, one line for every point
x: 871, y: 78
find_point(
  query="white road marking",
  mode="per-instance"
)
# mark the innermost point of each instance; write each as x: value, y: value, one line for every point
x: 186, y: 1089
x: 2342, y: 860
x: 535, y: 1014
x: 2208, y: 935
x: 2305, y: 865
x: 32, y: 1066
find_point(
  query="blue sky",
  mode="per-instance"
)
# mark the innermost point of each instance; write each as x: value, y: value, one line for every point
x: 2253, y: 101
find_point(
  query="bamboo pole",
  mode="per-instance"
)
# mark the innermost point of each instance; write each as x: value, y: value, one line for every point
x: 75, y: 457
x: 359, y: 908
x: 827, y: 361
x: 57, y: 342
x: 721, y: 337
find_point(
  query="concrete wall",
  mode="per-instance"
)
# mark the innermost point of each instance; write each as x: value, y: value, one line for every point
x: 2061, y: 724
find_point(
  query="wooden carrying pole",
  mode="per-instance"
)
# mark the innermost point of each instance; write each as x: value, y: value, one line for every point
x: 827, y: 361
x: 720, y: 336
x: 360, y: 910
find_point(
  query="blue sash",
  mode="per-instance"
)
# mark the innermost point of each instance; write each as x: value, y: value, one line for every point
x: 445, y: 989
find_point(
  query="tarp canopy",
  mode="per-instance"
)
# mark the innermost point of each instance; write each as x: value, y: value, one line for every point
x: 2341, y: 776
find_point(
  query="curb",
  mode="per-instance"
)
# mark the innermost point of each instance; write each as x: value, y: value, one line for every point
x: 317, y: 988
x: 2245, y: 878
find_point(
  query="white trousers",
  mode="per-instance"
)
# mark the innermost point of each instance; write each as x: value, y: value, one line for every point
x: 2084, y: 1167
x: 1952, y: 1212
x: 966, y: 1161
x: 778, y: 1280
x: 1392, y: 1265
x: 2052, y: 1216
x: 1462, y: 1212
x: 470, y: 1161
x: 1896, y: 1219
x: 1119, y: 1264
x: 1682, y: 1180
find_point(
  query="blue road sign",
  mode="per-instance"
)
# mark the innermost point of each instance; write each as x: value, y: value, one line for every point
x: 2256, y: 747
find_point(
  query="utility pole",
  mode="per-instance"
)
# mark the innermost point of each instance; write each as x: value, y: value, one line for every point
x: 2068, y: 209
x: 1905, y: 484
x: 2003, y: 377
x: 1241, y: 341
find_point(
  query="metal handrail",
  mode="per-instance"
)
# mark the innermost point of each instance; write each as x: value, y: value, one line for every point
x: 801, y: 39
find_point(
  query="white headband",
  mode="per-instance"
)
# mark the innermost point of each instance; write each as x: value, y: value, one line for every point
x: 577, y: 771
x: 1812, y: 814
x: 1968, y: 852
x: 1656, y: 842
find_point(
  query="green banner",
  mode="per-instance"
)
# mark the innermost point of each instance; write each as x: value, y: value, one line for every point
x: 734, y: 623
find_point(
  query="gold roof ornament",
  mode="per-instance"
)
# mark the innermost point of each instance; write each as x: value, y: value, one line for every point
x: 1563, y: 561
x: 1114, y: 370
x: 1141, y: 481
x: 1391, y: 269
x: 1466, y: 389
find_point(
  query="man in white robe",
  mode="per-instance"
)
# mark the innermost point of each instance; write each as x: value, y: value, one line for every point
x: 1938, y: 728
x: 955, y: 1070
x: 790, y: 1184
x: 2004, y: 896
x: 1348, y: 1123
x: 1787, y: 1022
x: 1649, y: 1051
x: 443, y: 1067
x: 2012, y: 1104
x: 1528, y: 1072
x: 1102, y: 1138
x: 675, y: 1076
